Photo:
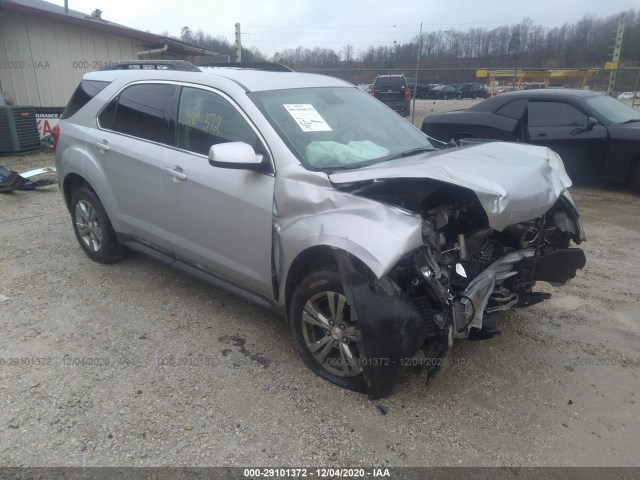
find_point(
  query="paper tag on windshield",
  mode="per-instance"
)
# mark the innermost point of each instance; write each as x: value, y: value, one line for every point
x: 307, y: 117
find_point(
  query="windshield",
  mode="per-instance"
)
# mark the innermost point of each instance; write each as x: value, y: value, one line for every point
x: 612, y: 110
x: 333, y: 128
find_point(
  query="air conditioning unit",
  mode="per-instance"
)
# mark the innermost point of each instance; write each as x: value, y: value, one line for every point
x: 18, y: 129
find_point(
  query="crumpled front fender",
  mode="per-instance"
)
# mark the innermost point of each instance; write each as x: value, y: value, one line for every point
x: 390, y: 325
x: 309, y: 212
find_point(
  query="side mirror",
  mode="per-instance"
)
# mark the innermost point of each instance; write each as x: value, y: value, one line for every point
x: 591, y: 122
x: 237, y: 155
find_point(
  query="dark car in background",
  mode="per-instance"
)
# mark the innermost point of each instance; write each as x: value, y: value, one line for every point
x: 473, y: 90
x: 422, y: 90
x: 445, y: 92
x: 595, y: 135
x: 393, y: 91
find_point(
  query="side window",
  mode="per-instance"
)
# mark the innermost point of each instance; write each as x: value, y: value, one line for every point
x: 514, y: 109
x: 205, y: 119
x: 107, y: 118
x: 555, y: 114
x: 142, y: 111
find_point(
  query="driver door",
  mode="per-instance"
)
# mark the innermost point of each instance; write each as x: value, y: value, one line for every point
x: 219, y: 219
x: 565, y: 129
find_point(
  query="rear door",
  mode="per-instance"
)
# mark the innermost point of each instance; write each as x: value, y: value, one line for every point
x: 219, y: 219
x: 130, y: 146
x: 562, y: 127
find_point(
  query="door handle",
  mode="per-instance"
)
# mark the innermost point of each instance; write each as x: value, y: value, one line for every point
x: 542, y: 134
x: 176, y: 173
x: 103, y: 145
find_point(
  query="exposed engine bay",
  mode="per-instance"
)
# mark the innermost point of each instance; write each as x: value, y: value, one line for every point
x: 465, y: 270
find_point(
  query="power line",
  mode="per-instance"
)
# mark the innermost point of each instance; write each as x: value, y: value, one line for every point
x: 447, y: 24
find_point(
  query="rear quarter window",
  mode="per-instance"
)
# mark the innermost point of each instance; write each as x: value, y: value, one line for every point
x: 85, y: 92
x: 514, y: 109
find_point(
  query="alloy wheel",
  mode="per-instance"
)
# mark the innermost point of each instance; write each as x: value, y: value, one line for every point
x: 88, y: 225
x: 330, y: 335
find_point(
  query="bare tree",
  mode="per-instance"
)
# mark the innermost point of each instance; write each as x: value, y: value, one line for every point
x: 347, y: 52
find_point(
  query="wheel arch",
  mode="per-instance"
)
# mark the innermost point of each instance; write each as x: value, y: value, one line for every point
x: 70, y: 183
x: 306, y: 262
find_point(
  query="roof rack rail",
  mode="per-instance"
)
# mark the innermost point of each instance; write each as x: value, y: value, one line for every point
x: 266, y: 66
x: 181, y: 65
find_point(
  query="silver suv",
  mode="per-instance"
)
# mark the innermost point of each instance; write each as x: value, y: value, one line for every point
x: 304, y: 194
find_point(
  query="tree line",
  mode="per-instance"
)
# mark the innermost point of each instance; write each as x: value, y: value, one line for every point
x: 583, y: 44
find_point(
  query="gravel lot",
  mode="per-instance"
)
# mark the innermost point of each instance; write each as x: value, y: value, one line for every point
x: 197, y: 377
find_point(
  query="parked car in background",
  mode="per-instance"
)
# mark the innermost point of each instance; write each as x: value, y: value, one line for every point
x: 422, y: 91
x: 534, y: 86
x: 499, y: 90
x: 628, y: 95
x: 596, y: 135
x: 473, y: 90
x: 301, y: 193
x: 445, y: 92
x: 393, y: 91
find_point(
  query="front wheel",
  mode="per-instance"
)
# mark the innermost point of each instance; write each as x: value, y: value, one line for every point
x: 324, y: 332
x: 93, y: 228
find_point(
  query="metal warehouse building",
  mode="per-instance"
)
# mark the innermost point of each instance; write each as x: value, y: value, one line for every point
x: 45, y: 50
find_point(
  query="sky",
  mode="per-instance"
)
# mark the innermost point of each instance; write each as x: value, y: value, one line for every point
x: 275, y: 25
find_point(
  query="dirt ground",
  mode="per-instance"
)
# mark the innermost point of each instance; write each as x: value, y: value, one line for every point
x: 184, y: 374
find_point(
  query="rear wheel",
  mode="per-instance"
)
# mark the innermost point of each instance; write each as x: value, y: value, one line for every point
x: 324, y: 332
x: 93, y: 228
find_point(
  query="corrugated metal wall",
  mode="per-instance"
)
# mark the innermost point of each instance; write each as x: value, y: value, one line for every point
x: 42, y: 61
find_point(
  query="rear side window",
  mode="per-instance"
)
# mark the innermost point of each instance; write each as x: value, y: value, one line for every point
x: 85, y: 92
x: 142, y: 111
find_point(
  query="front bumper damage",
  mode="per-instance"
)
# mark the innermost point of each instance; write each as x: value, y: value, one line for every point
x: 394, y: 328
x: 427, y: 246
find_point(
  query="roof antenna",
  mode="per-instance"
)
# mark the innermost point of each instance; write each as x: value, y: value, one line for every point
x: 66, y: 6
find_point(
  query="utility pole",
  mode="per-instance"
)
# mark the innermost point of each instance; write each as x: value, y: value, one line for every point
x: 415, y: 82
x: 238, y: 44
x: 613, y: 76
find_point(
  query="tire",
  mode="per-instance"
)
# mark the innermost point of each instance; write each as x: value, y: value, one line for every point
x: 323, y: 333
x: 93, y: 228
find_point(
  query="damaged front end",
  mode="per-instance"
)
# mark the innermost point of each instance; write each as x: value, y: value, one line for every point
x: 464, y: 271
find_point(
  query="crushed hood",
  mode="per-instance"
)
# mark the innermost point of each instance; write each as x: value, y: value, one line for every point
x: 513, y: 182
